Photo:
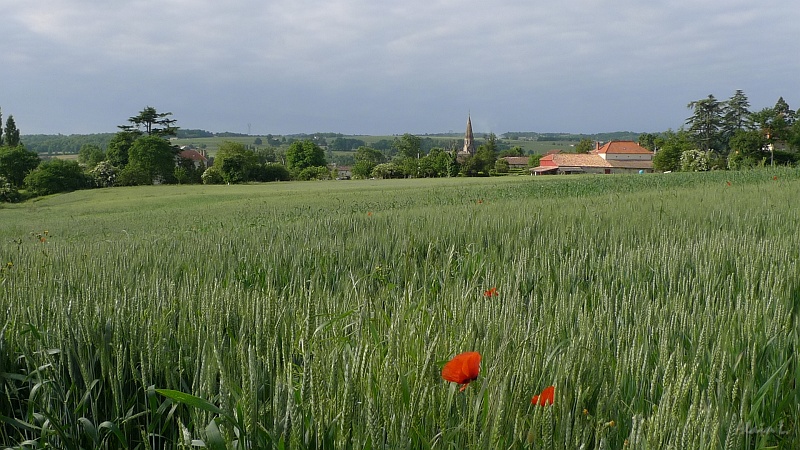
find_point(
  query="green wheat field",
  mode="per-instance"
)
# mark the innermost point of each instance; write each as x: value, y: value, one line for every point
x: 663, y: 308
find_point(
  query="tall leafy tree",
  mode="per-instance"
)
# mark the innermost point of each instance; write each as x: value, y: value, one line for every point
x: 91, y: 155
x: 649, y: 141
x: 782, y: 120
x: 746, y: 149
x: 1, y: 131
x: 782, y: 109
x: 775, y: 123
x: 236, y: 162
x: 584, y: 146
x: 671, y: 147
x: 151, y: 159
x: 152, y: 123
x: 304, y: 154
x: 704, y: 124
x: 11, y: 132
x: 736, y: 114
x: 16, y: 163
x: 408, y: 146
x: 118, y: 148
x: 366, y: 158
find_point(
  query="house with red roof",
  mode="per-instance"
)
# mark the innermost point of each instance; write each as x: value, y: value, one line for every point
x: 198, y: 159
x: 612, y: 157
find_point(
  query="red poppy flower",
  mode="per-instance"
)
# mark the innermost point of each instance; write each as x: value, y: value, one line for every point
x: 775, y: 177
x: 462, y: 369
x: 547, y: 397
x: 491, y: 292
x: 480, y: 201
x: 729, y: 183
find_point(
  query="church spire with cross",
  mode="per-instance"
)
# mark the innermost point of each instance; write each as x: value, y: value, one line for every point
x: 469, y: 140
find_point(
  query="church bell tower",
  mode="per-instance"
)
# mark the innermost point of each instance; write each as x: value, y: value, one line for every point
x: 469, y: 140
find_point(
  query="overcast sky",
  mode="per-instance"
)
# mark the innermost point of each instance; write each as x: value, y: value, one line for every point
x: 379, y: 67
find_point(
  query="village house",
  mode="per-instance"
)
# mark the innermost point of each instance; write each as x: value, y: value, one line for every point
x: 613, y: 157
x: 198, y: 159
x: 517, y: 162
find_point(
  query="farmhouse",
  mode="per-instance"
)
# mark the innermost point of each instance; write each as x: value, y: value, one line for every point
x: 198, y: 159
x: 516, y: 162
x: 613, y: 157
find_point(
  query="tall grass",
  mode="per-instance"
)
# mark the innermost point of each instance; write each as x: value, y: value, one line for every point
x: 305, y: 315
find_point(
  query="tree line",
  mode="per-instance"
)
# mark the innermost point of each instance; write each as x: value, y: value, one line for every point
x: 141, y: 153
x: 717, y: 135
x: 728, y: 135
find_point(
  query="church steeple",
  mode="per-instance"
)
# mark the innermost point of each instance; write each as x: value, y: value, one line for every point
x: 469, y: 140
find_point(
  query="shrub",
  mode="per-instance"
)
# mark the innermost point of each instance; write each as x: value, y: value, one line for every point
x: 387, y: 170
x: 56, y: 175
x: 134, y: 175
x: 104, y: 174
x: 212, y: 175
x: 314, y: 173
x: 695, y: 161
x: 8, y: 193
x: 274, y: 172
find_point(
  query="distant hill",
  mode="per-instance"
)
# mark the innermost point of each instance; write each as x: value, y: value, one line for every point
x: 554, y: 137
x: 55, y: 144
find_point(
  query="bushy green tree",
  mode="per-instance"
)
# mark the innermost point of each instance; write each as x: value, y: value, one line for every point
x: 119, y: 147
x: 133, y: 175
x: 304, y: 154
x: 314, y: 173
x: 387, y: 170
x: 56, y: 175
x: 408, y: 146
x: 8, y: 193
x: 437, y: 163
x: 746, y: 147
x: 16, y: 163
x: 151, y: 160
x: 648, y: 141
x: 275, y: 172
x: 212, y: 175
x: 91, y: 155
x: 668, y: 156
x: 237, y: 163
x: 513, y: 151
x: 584, y: 146
x: 501, y: 166
x: 266, y: 155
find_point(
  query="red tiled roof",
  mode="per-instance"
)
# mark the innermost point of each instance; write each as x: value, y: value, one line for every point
x: 579, y: 160
x: 543, y: 169
x: 193, y: 155
x: 622, y: 147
